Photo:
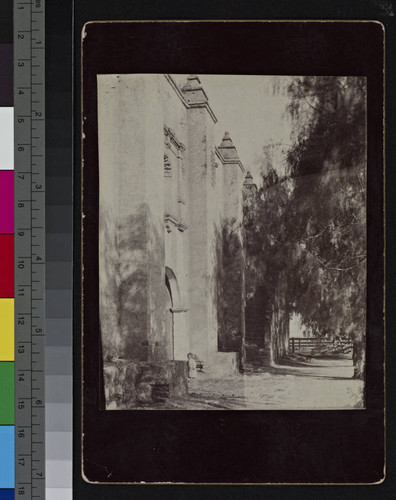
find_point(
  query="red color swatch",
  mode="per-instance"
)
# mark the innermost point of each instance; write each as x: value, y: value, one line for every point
x: 6, y: 265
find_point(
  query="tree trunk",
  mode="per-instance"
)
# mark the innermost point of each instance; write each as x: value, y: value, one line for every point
x: 274, y: 334
x: 359, y: 358
x: 279, y: 322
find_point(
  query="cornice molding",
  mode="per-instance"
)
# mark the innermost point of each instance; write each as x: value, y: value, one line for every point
x: 188, y: 105
x: 226, y: 161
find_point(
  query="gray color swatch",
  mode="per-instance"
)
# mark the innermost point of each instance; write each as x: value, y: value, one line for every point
x: 59, y: 191
x: 58, y: 388
x: 58, y: 417
x: 58, y: 332
x: 59, y: 446
x: 59, y: 276
x: 59, y: 219
x: 58, y: 360
x: 59, y: 247
x: 58, y: 304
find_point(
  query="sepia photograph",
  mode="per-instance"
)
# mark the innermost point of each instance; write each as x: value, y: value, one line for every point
x: 231, y: 277
x: 231, y: 241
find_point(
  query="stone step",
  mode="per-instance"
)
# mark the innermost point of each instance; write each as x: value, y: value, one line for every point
x: 160, y: 393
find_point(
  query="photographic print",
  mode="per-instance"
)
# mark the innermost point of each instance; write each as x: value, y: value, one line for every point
x: 231, y: 252
x: 232, y: 241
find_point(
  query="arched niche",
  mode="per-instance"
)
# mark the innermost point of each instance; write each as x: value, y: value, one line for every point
x: 176, y: 324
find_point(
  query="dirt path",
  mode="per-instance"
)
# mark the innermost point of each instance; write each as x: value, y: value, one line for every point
x: 319, y: 384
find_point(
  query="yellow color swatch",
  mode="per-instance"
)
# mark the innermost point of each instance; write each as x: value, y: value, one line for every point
x: 6, y: 329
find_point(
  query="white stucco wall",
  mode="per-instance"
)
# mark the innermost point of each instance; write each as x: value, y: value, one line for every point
x: 135, y: 244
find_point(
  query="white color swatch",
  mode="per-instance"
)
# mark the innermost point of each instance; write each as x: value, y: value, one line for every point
x: 6, y: 138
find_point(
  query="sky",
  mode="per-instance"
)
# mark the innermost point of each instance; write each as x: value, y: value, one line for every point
x: 249, y: 109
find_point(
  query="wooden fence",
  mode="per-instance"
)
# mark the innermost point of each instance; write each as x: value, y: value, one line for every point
x: 308, y: 343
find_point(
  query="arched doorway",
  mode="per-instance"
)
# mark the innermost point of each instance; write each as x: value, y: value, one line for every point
x: 175, y: 319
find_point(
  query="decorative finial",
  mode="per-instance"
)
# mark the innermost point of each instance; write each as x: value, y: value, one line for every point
x: 193, y: 90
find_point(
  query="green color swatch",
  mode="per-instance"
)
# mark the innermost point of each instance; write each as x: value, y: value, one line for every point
x: 6, y: 393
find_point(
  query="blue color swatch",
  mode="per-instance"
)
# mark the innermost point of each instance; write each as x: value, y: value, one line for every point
x: 7, y: 494
x: 7, y: 457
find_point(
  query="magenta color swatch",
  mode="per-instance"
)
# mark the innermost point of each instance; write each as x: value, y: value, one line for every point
x: 6, y: 201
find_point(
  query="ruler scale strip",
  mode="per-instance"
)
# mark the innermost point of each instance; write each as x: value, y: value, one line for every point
x: 29, y: 190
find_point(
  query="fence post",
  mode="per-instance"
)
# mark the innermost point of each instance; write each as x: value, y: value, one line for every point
x: 292, y: 341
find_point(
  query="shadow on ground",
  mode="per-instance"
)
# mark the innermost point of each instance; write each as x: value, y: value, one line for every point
x: 300, y: 383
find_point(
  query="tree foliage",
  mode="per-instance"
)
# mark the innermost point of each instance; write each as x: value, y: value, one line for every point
x: 328, y: 206
x: 309, y: 221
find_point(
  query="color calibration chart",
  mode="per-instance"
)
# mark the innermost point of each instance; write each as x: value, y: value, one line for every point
x: 7, y: 357
x: 35, y: 275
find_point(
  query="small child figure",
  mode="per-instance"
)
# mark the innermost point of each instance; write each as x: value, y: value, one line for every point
x: 192, y: 365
